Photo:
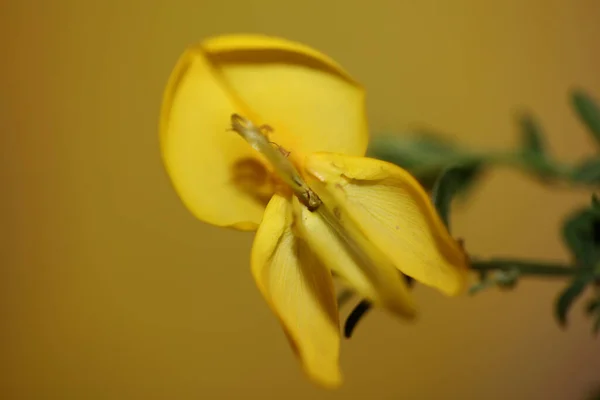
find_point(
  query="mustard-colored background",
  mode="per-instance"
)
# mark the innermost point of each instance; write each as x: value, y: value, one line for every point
x: 110, y: 289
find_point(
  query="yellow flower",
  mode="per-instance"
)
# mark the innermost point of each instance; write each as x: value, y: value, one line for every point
x: 317, y: 204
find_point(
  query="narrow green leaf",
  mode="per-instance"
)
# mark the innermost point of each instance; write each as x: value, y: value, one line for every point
x: 409, y: 151
x: 569, y: 295
x: 587, y: 172
x: 532, y: 136
x: 592, y: 306
x: 534, y: 154
x: 452, y: 181
x: 580, y: 235
x: 588, y: 111
x: 424, y: 154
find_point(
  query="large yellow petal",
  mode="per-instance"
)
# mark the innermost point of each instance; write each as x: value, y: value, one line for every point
x: 339, y: 244
x: 312, y: 103
x: 309, y: 100
x: 200, y: 155
x: 395, y: 213
x: 300, y: 291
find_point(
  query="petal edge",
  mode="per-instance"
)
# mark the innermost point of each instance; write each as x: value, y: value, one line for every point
x: 299, y: 290
x: 394, y: 211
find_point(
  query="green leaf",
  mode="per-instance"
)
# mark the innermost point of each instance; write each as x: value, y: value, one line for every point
x: 580, y: 233
x: 593, y: 305
x: 587, y: 172
x: 534, y: 152
x: 532, y: 137
x: 452, y: 181
x: 413, y: 150
x: 588, y: 111
x: 422, y: 153
x: 569, y: 295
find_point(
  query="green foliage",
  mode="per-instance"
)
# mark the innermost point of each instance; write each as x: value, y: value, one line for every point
x: 534, y: 154
x: 450, y: 171
x: 453, y: 180
x: 588, y: 112
x: 532, y: 137
x: 593, y: 306
x: 587, y: 172
x: 424, y: 154
x: 568, y: 296
x: 580, y: 232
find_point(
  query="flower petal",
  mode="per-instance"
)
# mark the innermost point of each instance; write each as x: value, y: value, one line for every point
x: 199, y: 153
x: 300, y: 291
x: 395, y: 213
x: 309, y: 100
x: 334, y: 237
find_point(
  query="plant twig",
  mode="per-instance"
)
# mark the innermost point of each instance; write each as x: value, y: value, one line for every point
x: 533, y: 268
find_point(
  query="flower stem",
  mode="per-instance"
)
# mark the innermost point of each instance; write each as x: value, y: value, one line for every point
x: 533, y: 268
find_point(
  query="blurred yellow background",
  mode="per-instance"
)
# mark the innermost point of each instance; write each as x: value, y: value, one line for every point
x: 110, y: 289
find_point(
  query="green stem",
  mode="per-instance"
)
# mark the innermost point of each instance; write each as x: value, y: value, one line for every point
x: 529, y: 267
x: 543, y: 168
